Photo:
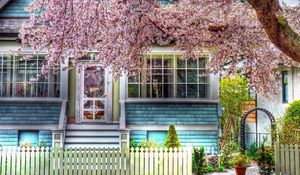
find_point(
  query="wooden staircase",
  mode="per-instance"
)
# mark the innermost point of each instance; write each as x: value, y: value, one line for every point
x: 92, y: 135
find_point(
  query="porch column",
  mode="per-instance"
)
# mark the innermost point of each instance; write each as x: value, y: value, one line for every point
x: 122, y: 101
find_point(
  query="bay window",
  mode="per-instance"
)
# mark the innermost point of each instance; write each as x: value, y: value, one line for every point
x: 16, y: 74
x: 169, y: 76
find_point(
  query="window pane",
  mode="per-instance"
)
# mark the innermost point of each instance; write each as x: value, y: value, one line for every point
x: 156, y: 76
x: 181, y: 91
x: 156, y: 61
x: 133, y: 90
x: 202, y: 62
x: 191, y: 63
x: 133, y: 79
x: 94, y: 82
x: 168, y: 61
x: 42, y: 89
x: 8, y: 61
x: 192, y: 91
x: 145, y: 91
x: 202, y: 76
x: 19, y: 75
x: 180, y: 62
x: 32, y: 63
x: 192, y: 75
x: 31, y: 90
x: 156, y: 90
x: 168, y: 90
x: 168, y: 76
x: 202, y: 91
x: 181, y: 76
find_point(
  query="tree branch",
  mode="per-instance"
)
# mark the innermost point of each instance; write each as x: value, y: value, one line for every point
x: 277, y: 29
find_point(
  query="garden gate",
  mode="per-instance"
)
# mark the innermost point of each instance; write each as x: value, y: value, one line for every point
x: 243, y: 124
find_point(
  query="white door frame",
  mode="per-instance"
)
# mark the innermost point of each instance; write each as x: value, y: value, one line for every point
x: 80, y: 96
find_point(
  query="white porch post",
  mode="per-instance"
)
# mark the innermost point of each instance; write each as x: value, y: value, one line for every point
x: 122, y: 101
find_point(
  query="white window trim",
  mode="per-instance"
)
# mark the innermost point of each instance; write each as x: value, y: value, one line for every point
x: 212, y: 84
x: 63, y: 94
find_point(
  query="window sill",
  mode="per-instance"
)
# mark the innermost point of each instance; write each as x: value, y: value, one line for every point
x: 170, y: 100
x: 41, y: 99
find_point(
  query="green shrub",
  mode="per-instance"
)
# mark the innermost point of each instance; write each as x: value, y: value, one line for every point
x: 287, y: 124
x: 133, y: 144
x: 199, y: 161
x: 149, y: 144
x: 252, y: 152
x: 221, y: 168
x: 240, y: 160
x: 208, y: 168
x: 172, y: 140
x: 43, y: 143
x: 231, y: 148
x: 266, y: 159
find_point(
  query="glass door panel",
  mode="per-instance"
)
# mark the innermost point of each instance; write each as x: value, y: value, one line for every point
x: 93, y: 94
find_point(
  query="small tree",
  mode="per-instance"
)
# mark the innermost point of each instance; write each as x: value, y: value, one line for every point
x: 288, y: 125
x: 172, y: 140
x: 233, y: 95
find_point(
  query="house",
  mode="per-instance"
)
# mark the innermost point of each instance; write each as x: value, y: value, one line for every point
x: 260, y: 125
x: 88, y: 107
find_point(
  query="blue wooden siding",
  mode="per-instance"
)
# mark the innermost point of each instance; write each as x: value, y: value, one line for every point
x: 11, y: 137
x: 20, y: 113
x: 171, y: 113
x: 8, y: 138
x: 187, y: 138
x: 15, y: 8
x: 45, y: 136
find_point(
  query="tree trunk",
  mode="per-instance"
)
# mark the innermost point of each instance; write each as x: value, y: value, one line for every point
x: 278, y: 30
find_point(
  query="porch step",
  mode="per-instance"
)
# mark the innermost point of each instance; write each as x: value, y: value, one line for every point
x: 92, y: 135
x: 92, y: 126
x: 95, y: 133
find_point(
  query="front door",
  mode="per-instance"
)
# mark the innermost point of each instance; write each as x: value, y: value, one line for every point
x: 93, y: 94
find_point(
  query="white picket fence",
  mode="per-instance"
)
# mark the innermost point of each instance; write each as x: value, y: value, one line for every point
x: 95, y: 161
x: 287, y: 159
x: 160, y: 161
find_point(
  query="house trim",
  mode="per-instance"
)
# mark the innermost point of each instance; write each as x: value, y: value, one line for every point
x: 169, y: 100
x: 178, y: 127
x: 28, y: 127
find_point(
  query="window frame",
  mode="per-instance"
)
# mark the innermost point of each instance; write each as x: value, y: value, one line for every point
x: 26, y: 68
x: 174, y: 84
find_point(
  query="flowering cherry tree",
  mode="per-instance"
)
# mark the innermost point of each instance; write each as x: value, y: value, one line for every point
x: 254, y: 37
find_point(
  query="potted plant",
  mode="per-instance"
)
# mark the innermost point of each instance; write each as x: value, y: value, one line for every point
x: 240, y: 163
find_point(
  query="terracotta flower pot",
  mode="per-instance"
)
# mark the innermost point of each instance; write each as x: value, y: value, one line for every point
x: 240, y: 170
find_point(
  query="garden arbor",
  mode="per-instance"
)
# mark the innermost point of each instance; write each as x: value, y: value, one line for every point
x: 243, y: 125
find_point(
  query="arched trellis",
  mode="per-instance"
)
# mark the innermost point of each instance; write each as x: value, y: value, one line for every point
x: 243, y: 124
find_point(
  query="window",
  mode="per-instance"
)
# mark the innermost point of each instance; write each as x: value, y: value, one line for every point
x: 169, y: 77
x: 15, y: 75
x: 166, y: 2
x: 29, y: 138
x: 158, y: 136
x: 285, y: 87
